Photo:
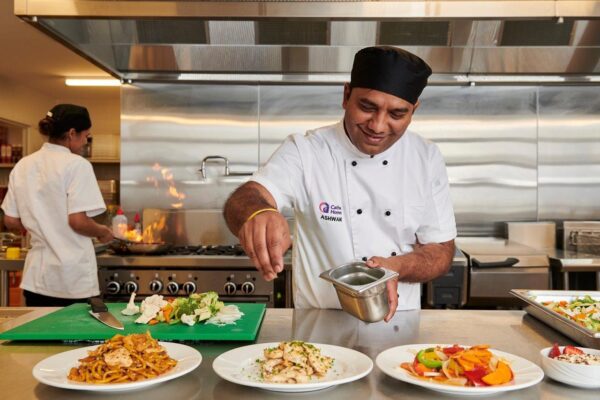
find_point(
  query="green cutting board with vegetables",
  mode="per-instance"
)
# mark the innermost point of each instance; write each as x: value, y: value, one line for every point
x: 75, y: 323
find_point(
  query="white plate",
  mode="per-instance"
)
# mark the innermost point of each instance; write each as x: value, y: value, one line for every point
x: 526, y: 373
x: 239, y: 366
x: 53, y: 370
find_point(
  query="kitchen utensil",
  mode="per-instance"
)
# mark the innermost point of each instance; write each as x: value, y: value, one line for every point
x: 361, y: 290
x: 533, y: 305
x: 101, y: 313
x: 74, y: 323
x: 124, y: 247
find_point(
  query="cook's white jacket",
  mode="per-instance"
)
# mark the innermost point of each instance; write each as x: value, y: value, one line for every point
x: 350, y: 206
x: 43, y: 189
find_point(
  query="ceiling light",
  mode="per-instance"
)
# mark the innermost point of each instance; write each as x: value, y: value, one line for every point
x: 92, y: 82
x: 515, y: 78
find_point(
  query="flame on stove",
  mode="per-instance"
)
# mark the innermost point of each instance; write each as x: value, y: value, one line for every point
x: 152, y: 233
x: 167, y: 178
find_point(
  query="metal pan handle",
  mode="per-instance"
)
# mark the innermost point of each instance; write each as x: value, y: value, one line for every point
x: 509, y: 262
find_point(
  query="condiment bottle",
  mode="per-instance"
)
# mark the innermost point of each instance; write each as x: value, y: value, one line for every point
x: 137, y: 224
x: 119, y: 224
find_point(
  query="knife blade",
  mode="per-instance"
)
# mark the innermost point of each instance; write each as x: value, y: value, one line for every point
x: 100, y: 312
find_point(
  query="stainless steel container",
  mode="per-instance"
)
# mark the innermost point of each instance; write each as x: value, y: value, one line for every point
x: 361, y: 290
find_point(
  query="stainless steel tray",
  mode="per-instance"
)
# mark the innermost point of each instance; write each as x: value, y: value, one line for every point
x: 578, y: 333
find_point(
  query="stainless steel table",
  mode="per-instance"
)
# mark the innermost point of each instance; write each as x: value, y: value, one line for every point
x: 511, y: 331
x: 566, y: 261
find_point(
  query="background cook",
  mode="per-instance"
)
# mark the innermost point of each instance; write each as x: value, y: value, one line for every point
x: 362, y: 189
x: 53, y: 193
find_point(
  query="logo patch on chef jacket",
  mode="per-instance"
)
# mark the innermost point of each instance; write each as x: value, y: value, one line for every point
x: 330, y: 212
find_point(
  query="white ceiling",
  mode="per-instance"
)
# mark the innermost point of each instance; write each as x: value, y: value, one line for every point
x: 32, y: 59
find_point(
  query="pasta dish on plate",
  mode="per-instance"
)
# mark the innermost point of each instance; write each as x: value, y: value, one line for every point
x: 121, y: 359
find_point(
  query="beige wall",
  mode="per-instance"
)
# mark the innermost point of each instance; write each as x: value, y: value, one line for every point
x: 25, y: 106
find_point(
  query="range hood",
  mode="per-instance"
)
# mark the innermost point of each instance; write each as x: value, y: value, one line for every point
x: 314, y: 41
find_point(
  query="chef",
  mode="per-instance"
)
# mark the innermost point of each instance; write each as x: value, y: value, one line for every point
x: 364, y: 188
x: 53, y: 194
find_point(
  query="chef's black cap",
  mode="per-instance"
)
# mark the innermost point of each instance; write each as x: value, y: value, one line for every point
x: 390, y: 70
x: 63, y: 117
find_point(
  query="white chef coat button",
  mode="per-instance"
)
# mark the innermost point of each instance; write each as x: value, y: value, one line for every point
x: 364, y: 258
x: 394, y: 253
x: 385, y: 162
x: 354, y: 163
x: 359, y: 211
x: 388, y: 213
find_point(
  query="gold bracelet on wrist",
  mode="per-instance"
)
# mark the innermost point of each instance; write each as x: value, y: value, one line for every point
x: 262, y: 210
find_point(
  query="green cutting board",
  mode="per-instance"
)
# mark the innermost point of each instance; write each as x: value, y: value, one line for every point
x: 75, y: 323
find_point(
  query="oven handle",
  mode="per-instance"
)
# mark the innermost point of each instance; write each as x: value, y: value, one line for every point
x: 509, y: 262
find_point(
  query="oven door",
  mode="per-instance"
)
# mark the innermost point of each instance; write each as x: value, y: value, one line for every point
x: 497, y: 265
x: 491, y: 281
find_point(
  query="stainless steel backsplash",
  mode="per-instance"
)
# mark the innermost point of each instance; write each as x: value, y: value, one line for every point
x: 514, y: 153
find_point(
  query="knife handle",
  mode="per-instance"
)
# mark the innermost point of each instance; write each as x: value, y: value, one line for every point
x: 98, y: 305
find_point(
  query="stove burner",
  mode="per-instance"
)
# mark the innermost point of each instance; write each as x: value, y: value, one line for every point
x: 212, y: 250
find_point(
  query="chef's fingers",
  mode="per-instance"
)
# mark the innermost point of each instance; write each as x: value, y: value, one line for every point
x: 278, y: 241
x: 246, y: 240
x: 259, y: 235
x: 374, y: 262
x: 392, y: 290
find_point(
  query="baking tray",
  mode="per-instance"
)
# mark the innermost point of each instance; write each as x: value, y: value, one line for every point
x: 578, y: 333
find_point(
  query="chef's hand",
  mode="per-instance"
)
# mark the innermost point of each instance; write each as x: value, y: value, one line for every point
x: 266, y: 238
x: 391, y: 286
x: 105, y: 234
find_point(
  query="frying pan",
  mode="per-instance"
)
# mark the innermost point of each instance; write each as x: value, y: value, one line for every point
x: 124, y: 247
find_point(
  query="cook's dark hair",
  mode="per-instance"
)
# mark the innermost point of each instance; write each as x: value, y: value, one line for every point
x: 62, y: 118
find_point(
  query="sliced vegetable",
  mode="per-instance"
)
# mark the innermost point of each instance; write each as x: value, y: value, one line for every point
x: 476, y: 375
x: 428, y: 358
x: 502, y: 375
x: 452, y: 350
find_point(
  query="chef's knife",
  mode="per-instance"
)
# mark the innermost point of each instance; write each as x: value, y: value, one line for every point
x: 100, y: 312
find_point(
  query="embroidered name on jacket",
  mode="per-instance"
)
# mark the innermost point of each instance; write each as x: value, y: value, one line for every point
x: 330, y: 212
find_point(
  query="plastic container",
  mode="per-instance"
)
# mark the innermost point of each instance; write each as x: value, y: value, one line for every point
x: 13, y: 253
x: 119, y: 224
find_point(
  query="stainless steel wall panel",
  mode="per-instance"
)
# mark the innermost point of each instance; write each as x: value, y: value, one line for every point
x: 499, y: 169
x: 489, y: 140
x: 176, y: 126
x: 539, y: 60
x: 569, y: 153
x: 231, y: 32
x: 286, y: 110
x: 353, y: 33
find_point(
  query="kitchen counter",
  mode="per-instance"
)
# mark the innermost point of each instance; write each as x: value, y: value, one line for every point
x: 511, y: 331
x: 565, y: 261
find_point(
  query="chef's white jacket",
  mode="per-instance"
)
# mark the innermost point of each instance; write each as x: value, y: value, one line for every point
x: 350, y: 206
x: 43, y: 189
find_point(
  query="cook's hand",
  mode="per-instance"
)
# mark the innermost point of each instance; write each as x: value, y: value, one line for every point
x: 391, y: 287
x: 105, y: 235
x: 266, y: 238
